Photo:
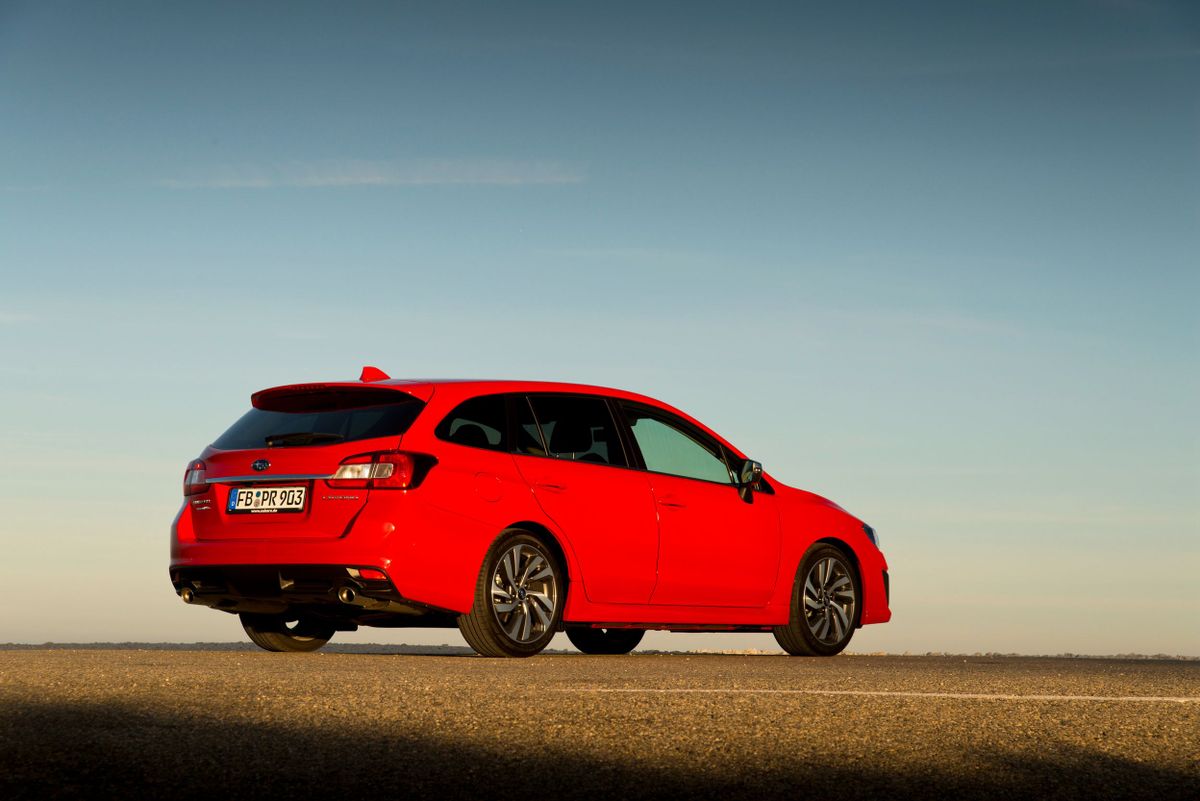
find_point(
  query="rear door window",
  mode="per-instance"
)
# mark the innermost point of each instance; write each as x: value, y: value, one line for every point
x: 578, y: 428
x: 478, y: 423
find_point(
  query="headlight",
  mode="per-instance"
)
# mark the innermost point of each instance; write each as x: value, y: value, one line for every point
x: 871, y: 535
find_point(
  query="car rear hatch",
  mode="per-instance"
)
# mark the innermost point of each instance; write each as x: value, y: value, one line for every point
x: 268, y: 476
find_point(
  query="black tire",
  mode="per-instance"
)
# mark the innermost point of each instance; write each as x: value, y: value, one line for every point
x: 605, y: 641
x: 496, y: 628
x: 825, y: 625
x: 281, y: 633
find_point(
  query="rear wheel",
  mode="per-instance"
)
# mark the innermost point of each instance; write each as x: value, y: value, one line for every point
x: 518, y: 598
x: 286, y: 632
x: 825, y: 605
x: 605, y: 641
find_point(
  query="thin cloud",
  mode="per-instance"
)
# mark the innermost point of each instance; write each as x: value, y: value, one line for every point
x: 25, y: 188
x: 1080, y: 514
x: 14, y: 318
x: 1015, y: 63
x: 335, y: 174
x: 302, y: 336
x: 948, y: 321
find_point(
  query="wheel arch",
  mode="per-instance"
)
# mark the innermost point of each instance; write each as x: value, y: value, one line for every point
x: 845, y: 548
x: 842, y: 546
x: 552, y: 542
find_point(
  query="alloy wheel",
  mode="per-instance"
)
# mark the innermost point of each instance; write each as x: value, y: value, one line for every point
x: 524, y: 593
x: 829, y: 600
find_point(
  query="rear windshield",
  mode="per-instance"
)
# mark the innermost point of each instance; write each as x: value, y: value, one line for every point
x: 320, y: 420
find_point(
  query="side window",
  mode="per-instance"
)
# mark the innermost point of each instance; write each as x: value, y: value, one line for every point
x: 529, y: 438
x: 670, y: 447
x: 478, y: 423
x: 579, y: 428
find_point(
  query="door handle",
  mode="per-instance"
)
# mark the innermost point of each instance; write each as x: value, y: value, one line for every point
x: 550, y: 487
x: 672, y: 502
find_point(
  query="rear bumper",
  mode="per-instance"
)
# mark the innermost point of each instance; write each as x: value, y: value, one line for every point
x: 431, y: 555
x: 330, y: 591
x: 366, y: 546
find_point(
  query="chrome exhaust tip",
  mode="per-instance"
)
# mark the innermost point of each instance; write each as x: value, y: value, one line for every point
x: 346, y: 595
x: 187, y: 595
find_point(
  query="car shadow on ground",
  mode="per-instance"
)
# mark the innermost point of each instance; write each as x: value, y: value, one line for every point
x: 66, y: 749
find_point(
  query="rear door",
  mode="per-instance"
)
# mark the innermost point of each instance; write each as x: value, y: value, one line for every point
x: 267, y: 473
x: 715, y: 549
x: 572, y: 457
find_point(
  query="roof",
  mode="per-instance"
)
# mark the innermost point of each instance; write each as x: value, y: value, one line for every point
x: 518, y: 385
x: 424, y: 389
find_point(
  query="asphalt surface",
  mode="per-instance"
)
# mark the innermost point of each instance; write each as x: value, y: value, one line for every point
x: 186, y: 724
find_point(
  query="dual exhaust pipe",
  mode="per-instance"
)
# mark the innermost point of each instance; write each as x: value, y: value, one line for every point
x: 346, y: 595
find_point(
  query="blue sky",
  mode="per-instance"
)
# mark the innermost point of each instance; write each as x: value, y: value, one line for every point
x: 937, y: 262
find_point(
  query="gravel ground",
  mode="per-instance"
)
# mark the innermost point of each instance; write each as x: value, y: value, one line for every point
x: 238, y: 724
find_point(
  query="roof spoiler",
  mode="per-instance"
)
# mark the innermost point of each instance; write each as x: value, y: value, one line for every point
x: 328, y: 397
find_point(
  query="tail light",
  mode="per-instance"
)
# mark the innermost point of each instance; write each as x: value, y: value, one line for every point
x: 386, y: 470
x: 195, y: 480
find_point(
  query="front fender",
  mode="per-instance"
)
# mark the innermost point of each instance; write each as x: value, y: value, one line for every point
x: 807, y: 520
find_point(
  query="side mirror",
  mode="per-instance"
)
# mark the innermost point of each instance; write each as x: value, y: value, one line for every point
x: 749, y: 479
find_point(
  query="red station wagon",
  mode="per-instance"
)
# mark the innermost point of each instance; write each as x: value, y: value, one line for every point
x: 512, y: 510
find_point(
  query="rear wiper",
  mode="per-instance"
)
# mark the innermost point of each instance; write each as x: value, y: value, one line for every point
x: 301, y: 438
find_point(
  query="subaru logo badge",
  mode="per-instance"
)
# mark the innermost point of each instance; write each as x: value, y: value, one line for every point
x: 260, y: 464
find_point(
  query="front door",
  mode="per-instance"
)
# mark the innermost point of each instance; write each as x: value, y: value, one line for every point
x: 715, y: 549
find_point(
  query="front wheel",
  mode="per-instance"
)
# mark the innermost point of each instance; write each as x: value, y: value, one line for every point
x: 286, y: 633
x: 518, y: 598
x: 825, y: 605
x: 605, y: 641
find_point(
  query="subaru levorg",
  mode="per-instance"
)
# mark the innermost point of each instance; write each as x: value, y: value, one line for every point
x: 512, y: 510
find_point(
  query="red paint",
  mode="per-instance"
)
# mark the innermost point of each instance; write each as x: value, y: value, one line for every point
x: 371, y: 374
x: 714, y: 548
x: 640, y: 547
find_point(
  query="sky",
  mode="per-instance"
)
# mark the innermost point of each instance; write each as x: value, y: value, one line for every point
x: 937, y: 262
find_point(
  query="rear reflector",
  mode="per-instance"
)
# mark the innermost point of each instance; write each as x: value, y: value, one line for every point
x: 195, y: 480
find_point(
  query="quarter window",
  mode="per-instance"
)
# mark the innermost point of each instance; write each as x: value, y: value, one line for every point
x: 579, y: 428
x: 478, y: 423
x: 669, y: 447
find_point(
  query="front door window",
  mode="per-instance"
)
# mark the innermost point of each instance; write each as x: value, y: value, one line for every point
x: 669, y: 449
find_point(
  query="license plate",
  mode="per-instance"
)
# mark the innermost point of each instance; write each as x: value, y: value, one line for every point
x: 266, y: 500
